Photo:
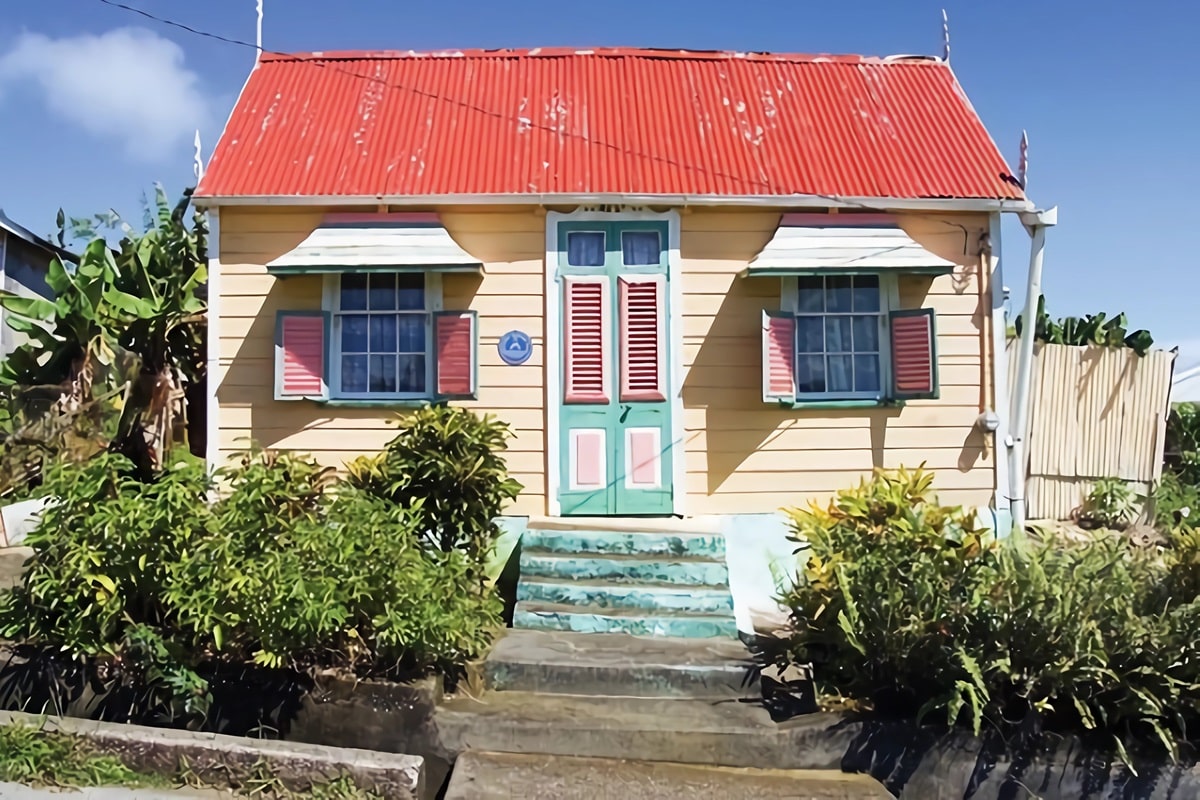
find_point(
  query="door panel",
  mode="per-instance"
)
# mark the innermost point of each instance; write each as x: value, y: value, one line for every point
x: 615, y: 312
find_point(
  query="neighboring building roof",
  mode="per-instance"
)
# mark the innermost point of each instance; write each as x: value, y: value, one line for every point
x: 21, y: 232
x: 604, y: 122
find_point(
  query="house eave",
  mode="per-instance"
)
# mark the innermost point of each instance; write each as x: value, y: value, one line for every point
x: 971, y: 204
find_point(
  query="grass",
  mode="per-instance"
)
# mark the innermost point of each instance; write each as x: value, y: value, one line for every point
x: 35, y: 757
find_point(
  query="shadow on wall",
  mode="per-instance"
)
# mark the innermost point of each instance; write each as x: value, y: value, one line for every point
x: 725, y: 381
x: 247, y: 389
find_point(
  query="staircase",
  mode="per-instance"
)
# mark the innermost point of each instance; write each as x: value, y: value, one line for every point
x: 608, y: 577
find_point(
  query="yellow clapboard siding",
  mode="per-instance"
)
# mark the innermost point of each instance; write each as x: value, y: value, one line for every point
x: 306, y: 414
x: 760, y: 417
x: 730, y: 398
x: 833, y: 437
x: 740, y: 373
x: 367, y: 440
x: 759, y: 502
x: 820, y: 482
x: 796, y: 462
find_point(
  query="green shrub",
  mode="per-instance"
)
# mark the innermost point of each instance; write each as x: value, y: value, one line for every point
x: 1182, y: 451
x: 1175, y: 500
x: 446, y: 466
x: 1112, y: 503
x: 150, y: 582
x: 905, y: 607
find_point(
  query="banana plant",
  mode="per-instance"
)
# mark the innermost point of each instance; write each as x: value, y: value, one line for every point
x: 1092, y: 329
x: 130, y: 317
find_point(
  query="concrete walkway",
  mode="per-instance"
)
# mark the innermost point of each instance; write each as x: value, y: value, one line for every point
x: 502, y: 776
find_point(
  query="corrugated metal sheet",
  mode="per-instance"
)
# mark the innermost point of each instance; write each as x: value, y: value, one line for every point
x: 622, y: 121
x: 1095, y: 413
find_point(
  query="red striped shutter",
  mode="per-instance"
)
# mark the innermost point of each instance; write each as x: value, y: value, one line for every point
x: 454, y: 335
x: 585, y: 337
x: 641, y: 307
x: 301, y: 339
x: 914, y: 357
x: 778, y: 357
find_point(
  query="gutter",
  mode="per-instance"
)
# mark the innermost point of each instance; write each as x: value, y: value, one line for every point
x: 702, y: 200
x: 1036, y: 223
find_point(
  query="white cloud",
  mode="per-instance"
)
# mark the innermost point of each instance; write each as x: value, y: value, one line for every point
x: 128, y: 84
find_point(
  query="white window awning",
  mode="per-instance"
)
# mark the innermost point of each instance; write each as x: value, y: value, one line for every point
x: 377, y: 242
x: 807, y: 247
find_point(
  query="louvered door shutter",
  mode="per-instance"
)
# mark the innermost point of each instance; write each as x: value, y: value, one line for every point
x: 585, y: 339
x: 455, y: 357
x: 778, y: 357
x: 641, y: 306
x: 301, y: 345
x: 914, y: 354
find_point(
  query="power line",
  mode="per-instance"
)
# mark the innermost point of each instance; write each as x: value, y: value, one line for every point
x: 524, y: 122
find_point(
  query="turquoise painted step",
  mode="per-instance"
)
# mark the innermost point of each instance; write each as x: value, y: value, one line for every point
x: 616, y: 542
x: 624, y: 569
x: 581, y: 619
x: 651, y: 598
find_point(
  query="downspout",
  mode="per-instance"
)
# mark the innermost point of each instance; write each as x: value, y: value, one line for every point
x: 1036, y: 223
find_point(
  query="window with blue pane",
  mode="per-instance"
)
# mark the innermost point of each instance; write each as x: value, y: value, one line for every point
x: 841, y: 322
x: 381, y: 328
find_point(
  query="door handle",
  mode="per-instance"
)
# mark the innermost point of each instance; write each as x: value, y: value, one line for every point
x: 625, y: 413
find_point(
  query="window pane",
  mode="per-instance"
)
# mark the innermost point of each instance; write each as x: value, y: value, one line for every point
x: 383, y: 333
x: 866, y: 293
x: 812, y: 295
x: 412, y: 292
x: 866, y: 374
x: 866, y: 334
x: 354, y: 373
x: 354, y: 293
x: 841, y: 374
x: 354, y: 333
x: 412, y: 333
x: 585, y: 249
x: 837, y: 335
x: 810, y: 374
x: 810, y: 334
x: 383, y: 292
x: 640, y: 248
x: 412, y: 374
x: 837, y: 293
x: 383, y: 374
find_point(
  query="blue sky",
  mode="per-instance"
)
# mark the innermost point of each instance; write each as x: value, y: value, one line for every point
x: 99, y: 103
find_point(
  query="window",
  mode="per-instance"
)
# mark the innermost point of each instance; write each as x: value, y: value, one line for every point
x: 841, y: 324
x: 381, y: 335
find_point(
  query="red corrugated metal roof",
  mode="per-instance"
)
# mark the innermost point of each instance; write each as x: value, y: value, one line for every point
x: 614, y: 121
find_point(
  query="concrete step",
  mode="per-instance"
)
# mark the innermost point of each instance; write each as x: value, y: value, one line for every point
x: 503, y: 776
x: 620, y: 665
x: 676, y: 570
x: 722, y: 733
x: 600, y: 542
x: 638, y: 622
x: 689, y: 599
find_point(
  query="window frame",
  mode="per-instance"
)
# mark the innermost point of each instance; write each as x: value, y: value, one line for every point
x: 331, y: 303
x: 889, y: 299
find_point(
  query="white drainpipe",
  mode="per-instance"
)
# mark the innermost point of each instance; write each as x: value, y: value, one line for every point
x: 1036, y: 222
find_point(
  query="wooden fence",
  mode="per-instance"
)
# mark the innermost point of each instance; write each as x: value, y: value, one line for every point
x: 1095, y: 413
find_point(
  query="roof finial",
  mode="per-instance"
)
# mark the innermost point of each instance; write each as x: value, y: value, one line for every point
x: 258, y: 39
x: 945, y: 37
x: 1023, y: 164
x: 198, y: 161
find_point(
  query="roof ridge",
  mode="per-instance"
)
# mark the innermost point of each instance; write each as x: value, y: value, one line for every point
x: 599, y: 52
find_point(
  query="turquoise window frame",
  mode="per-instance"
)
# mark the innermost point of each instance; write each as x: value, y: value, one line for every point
x: 889, y: 297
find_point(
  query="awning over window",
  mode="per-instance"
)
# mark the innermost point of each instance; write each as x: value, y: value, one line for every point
x: 813, y: 248
x: 366, y: 242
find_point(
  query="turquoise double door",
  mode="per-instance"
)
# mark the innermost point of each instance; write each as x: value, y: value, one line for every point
x: 615, y: 404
